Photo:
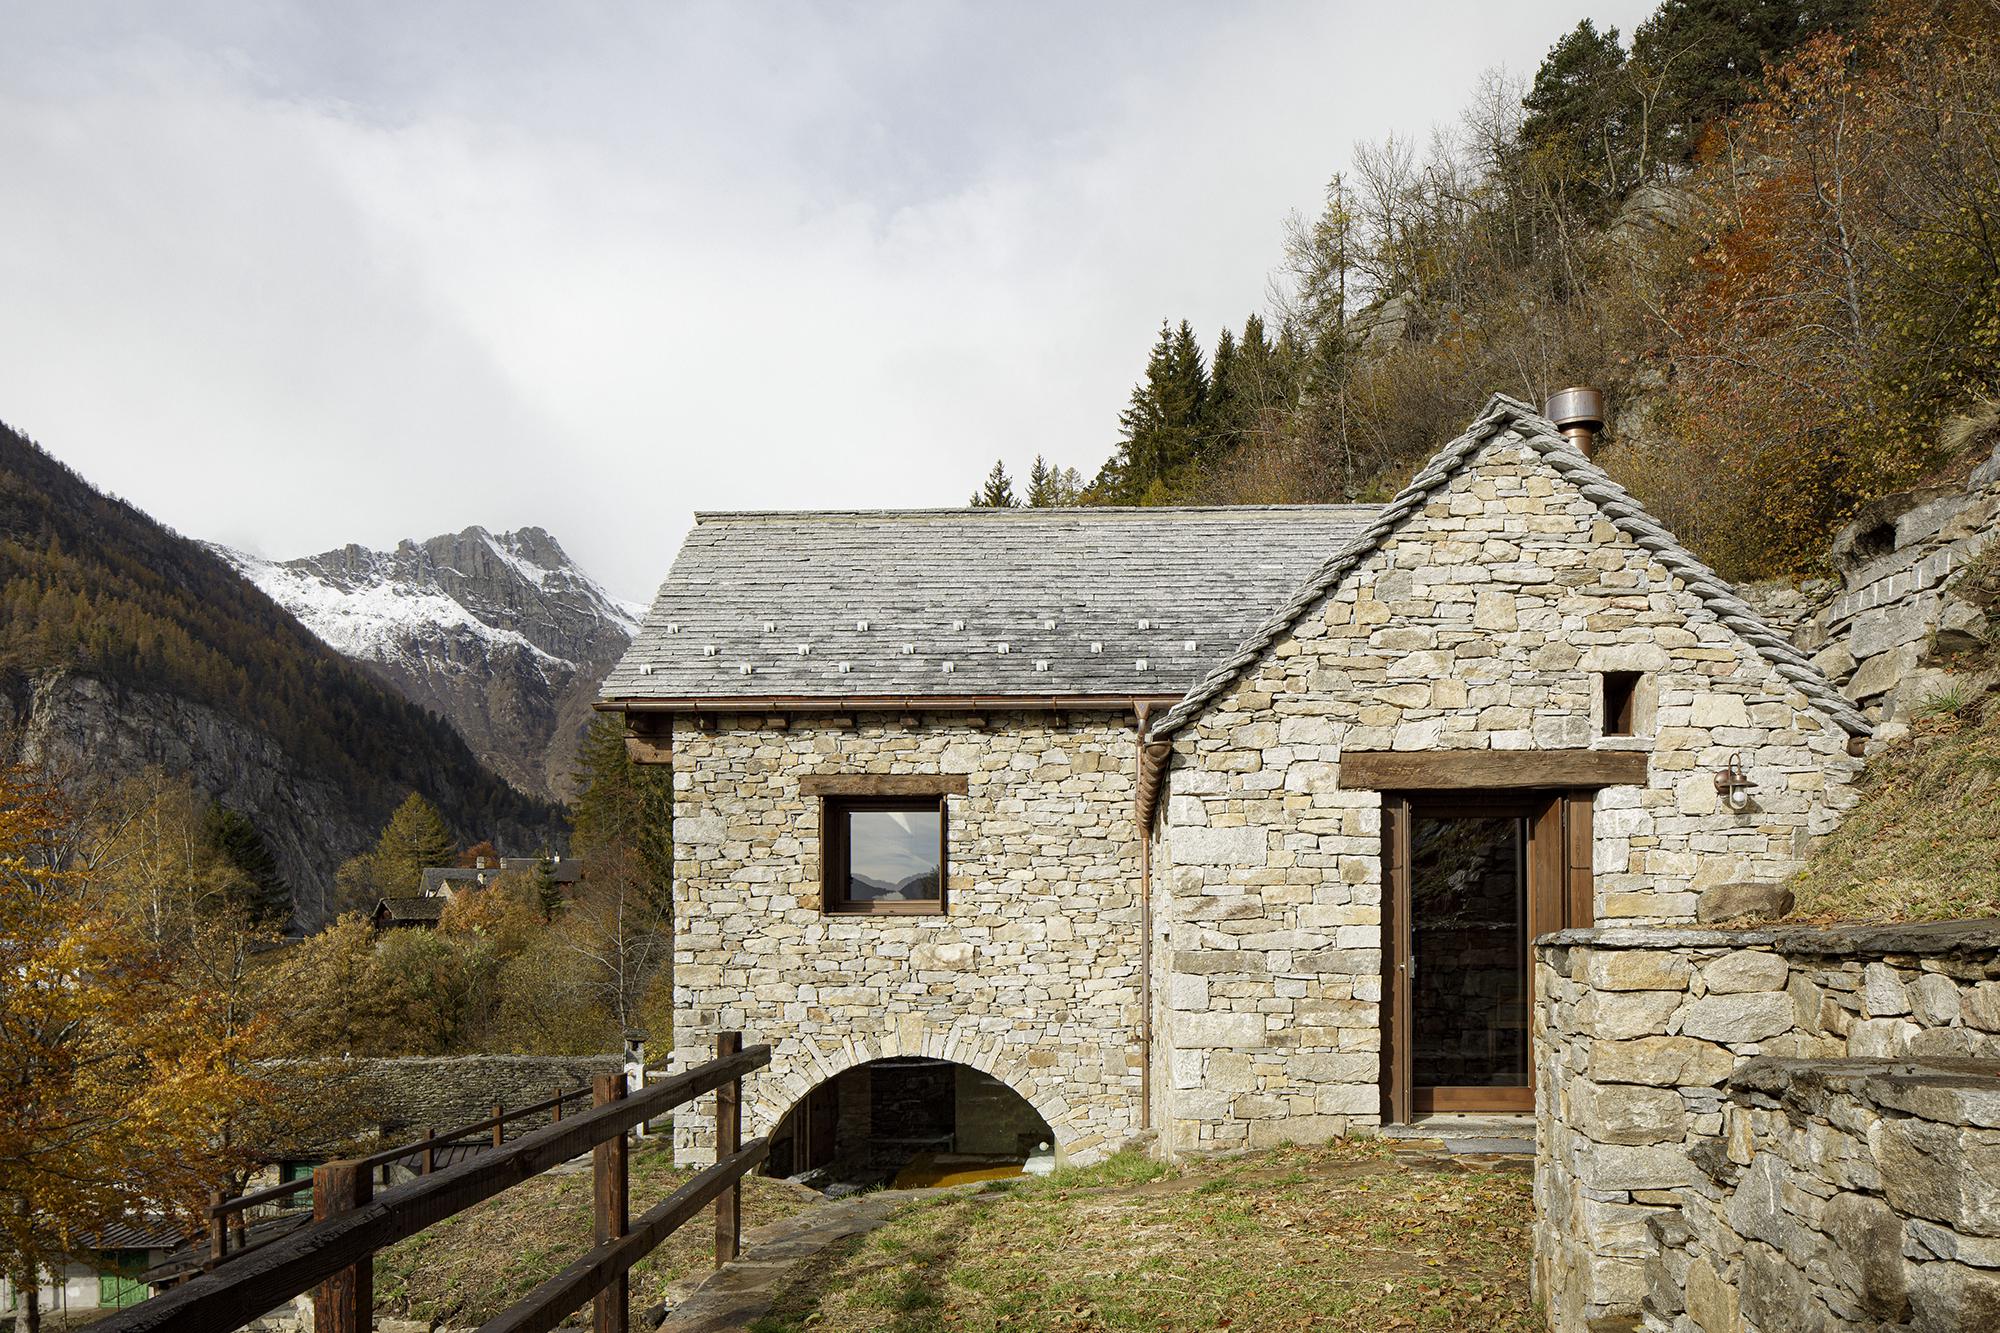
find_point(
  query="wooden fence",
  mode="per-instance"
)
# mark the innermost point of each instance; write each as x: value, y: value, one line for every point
x: 335, y: 1256
x: 228, y: 1215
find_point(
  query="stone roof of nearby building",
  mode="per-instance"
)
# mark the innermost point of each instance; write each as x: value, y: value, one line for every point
x: 138, y: 1233
x: 410, y: 910
x: 1507, y: 416
x: 969, y: 602
x: 567, y: 870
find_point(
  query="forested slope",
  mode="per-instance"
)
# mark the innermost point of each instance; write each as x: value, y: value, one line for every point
x: 1769, y: 228
x: 122, y: 643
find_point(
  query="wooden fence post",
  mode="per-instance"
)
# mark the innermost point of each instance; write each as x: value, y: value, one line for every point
x: 218, y: 1228
x: 345, y: 1302
x: 499, y: 1125
x: 611, y: 1308
x: 728, y: 1138
x: 555, y: 1112
x: 430, y: 1149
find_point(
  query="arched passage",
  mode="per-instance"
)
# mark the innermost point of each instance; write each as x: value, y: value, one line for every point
x: 907, y: 1120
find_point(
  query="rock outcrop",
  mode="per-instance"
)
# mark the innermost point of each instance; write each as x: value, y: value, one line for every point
x: 1905, y: 607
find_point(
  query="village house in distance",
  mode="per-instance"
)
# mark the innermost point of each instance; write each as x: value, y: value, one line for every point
x: 1224, y: 826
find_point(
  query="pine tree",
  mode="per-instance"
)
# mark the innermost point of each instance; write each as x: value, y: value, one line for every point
x: 1582, y: 127
x: 231, y: 835
x: 547, y: 888
x: 1162, y: 427
x: 623, y: 805
x: 1222, y: 418
x: 1701, y: 59
x: 414, y: 839
x: 998, y: 492
x: 1052, y: 487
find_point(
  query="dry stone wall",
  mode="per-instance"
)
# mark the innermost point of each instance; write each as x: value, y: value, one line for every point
x: 1645, y: 1144
x: 1031, y: 977
x: 1842, y: 1194
x: 392, y: 1098
x: 1481, y: 624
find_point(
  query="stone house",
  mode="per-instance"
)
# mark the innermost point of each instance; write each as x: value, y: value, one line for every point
x: 1228, y: 826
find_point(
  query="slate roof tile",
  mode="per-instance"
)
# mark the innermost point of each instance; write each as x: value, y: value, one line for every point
x: 1034, y: 602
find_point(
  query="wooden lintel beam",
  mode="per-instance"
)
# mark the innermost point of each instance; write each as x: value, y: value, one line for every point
x: 883, y: 784
x: 1467, y: 770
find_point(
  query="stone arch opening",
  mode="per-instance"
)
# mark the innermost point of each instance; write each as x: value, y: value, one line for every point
x: 908, y: 1121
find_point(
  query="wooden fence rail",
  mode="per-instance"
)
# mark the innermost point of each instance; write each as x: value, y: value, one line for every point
x: 424, y: 1148
x: 351, y: 1223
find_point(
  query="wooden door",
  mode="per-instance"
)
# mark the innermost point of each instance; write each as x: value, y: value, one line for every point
x: 1470, y: 879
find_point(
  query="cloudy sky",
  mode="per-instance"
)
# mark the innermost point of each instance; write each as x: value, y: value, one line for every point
x: 289, y: 276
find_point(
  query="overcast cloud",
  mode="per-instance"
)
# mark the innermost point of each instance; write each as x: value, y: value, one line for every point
x: 293, y: 276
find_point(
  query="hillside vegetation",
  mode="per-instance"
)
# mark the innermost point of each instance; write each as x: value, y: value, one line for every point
x: 1769, y: 228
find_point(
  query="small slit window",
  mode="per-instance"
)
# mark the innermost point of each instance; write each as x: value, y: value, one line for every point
x: 884, y: 854
x: 1621, y: 703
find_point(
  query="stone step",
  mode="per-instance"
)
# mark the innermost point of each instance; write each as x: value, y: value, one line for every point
x: 1471, y: 1133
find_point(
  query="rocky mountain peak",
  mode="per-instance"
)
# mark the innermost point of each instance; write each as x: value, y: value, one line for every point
x: 501, y: 633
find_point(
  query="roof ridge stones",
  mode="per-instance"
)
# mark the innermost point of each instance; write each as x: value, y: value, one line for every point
x: 1504, y: 416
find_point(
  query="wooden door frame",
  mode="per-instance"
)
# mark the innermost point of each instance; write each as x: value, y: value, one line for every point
x: 1560, y: 894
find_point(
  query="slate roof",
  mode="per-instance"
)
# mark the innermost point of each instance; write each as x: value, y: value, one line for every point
x: 1507, y: 416
x: 409, y: 911
x: 566, y: 869
x: 969, y: 602
x: 138, y: 1233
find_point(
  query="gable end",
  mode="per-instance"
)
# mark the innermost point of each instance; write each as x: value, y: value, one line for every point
x: 1505, y: 417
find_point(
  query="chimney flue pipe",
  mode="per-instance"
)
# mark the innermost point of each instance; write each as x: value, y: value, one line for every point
x: 1579, y: 414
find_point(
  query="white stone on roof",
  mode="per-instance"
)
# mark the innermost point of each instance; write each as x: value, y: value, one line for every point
x: 1089, y: 601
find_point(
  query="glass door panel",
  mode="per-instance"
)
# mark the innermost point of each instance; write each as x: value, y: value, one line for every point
x: 1468, y: 952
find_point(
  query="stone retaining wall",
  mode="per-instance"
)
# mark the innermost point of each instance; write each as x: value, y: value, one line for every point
x: 1842, y: 1194
x: 388, y: 1099
x: 1640, y: 1029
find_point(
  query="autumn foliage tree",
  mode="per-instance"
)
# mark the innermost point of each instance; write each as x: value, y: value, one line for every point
x: 1846, y: 292
x: 120, y: 1067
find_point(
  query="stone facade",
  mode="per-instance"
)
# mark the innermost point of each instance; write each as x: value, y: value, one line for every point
x: 1480, y: 623
x: 1032, y: 976
x: 1665, y: 1164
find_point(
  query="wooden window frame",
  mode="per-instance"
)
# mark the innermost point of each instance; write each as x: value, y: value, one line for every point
x: 1561, y: 895
x: 1620, y: 695
x: 834, y: 810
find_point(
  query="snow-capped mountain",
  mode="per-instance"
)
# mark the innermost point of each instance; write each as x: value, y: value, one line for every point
x: 500, y: 633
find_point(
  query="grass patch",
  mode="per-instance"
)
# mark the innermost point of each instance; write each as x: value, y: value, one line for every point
x: 1924, y: 842
x: 469, y: 1268
x: 1347, y: 1236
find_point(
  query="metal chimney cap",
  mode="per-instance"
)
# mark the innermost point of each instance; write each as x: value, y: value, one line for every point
x: 1576, y: 407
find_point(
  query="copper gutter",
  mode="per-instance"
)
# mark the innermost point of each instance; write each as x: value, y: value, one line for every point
x: 882, y: 703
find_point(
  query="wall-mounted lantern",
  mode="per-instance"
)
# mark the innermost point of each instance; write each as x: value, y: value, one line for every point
x: 1734, y: 783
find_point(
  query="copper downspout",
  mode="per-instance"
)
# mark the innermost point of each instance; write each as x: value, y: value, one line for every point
x: 1152, y: 762
x: 1143, y: 813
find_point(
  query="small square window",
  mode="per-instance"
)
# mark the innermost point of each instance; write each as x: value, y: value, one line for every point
x: 884, y: 854
x: 1621, y: 703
